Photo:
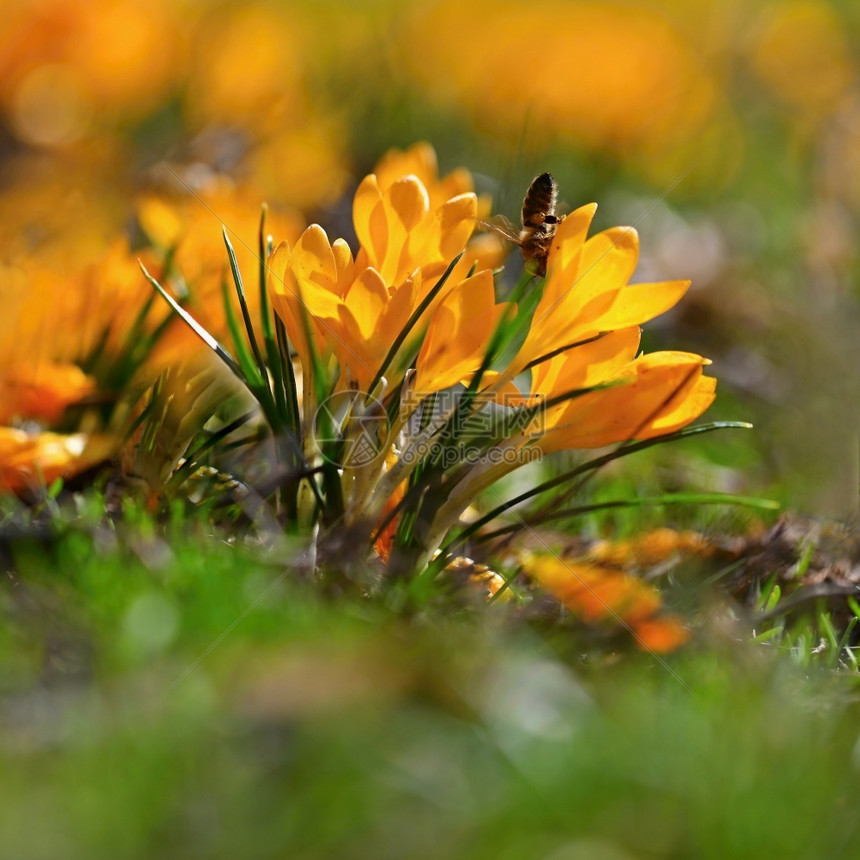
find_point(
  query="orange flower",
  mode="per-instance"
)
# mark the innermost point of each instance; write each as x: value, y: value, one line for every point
x: 660, y: 635
x: 651, y: 548
x: 190, y: 225
x: 42, y: 391
x: 595, y: 592
x: 458, y: 335
x: 592, y: 591
x: 28, y: 462
x: 400, y: 232
x: 587, y: 323
x: 355, y: 308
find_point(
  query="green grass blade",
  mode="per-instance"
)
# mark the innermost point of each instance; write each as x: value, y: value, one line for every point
x: 668, y: 499
x: 291, y: 391
x: 243, y: 354
x: 594, y: 464
x: 243, y: 305
x: 411, y: 323
x: 181, y: 473
x: 198, y: 329
x: 287, y: 410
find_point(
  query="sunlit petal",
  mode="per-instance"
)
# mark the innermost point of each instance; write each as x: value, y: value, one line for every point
x: 638, y: 303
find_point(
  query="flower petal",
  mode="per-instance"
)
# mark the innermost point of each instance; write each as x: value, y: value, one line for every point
x: 638, y: 303
x: 42, y: 390
x: 569, y: 239
x: 313, y: 260
x: 366, y: 300
x: 588, y: 364
x: 344, y: 265
x: 456, y: 220
x: 28, y: 462
x: 607, y: 263
x: 458, y: 334
x: 368, y: 218
x: 408, y: 200
x: 660, y: 635
x: 650, y: 399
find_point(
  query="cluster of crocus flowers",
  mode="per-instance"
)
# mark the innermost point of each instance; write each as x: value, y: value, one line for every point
x: 413, y: 312
x: 332, y: 303
x: 589, y: 387
x: 80, y: 340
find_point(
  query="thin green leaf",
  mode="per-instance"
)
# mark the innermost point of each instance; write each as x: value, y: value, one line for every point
x: 291, y: 391
x: 845, y: 641
x: 243, y: 353
x: 803, y: 562
x: 196, y: 327
x: 594, y: 464
x: 190, y: 464
x: 767, y: 635
x: 411, y: 323
x: 285, y: 409
x: 670, y: 499
x: 243, y: 304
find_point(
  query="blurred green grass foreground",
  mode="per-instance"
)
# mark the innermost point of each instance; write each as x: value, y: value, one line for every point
x: 173, y: 684
x: 144, y: 713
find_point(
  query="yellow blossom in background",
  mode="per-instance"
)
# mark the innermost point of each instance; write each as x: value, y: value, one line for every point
x: 64, y: 65
x: 248, y: 66
x: 249, y: 74
x: 65, y: 315
x: 598, y: 593
x: 800, y: 52
x: 59, y: 212
x: 301, y: 165
x: 606, y: 75
x: 41, y: 390
x: 28, y: 462
x: 74, y: 75
x: 188, y: 224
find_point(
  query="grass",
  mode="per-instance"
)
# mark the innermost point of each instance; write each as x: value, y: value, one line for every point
x: 169, y: 693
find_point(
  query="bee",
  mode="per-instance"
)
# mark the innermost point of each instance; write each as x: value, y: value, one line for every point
x: 539, y: 223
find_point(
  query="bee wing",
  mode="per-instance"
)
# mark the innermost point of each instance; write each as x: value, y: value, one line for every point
x: 502, y: 226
